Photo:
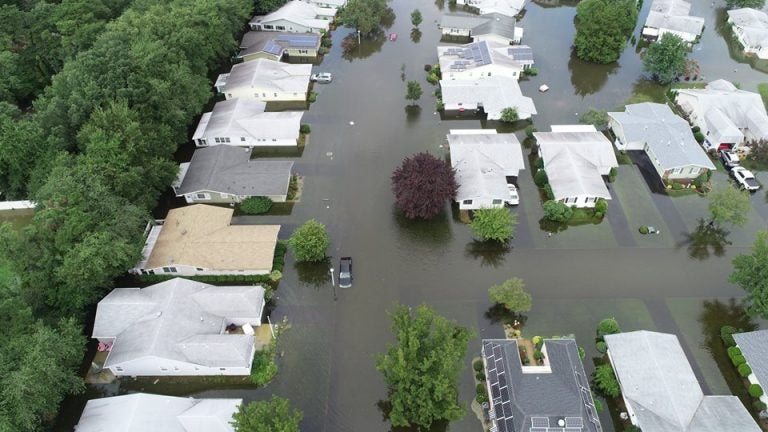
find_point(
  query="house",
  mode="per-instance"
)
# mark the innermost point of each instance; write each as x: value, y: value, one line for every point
x: 483, y: 59
x: 485, y: 162
x: 243, y: 122
x: 754, y: 348
x: 552, y: 397
x: 200, y: 240
x: 266, y: 80
x: 224, y: 175
x: 751, y: 29
x: 672, y: 16
x: 491, y: 94
x: 509, y: 8
x: 494, y: 27
x: 295, y: 16
x: 333, y: 4
x: 662, y: 394
x: 179, y: 328
x: 274, y: 46
x: 144, y: 412
x: 726, y: 115
x: 666, y: 139
x: 576, y: 157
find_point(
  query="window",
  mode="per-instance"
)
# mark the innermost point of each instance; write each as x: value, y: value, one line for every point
x: 694, y: 170
x: 202, y: 196
x: 202, y: 142
x: 496, y: 202
x: 263, y: 95
x: 222, y: 369
x: 242, y: 138
x: 274, y: 139
x: 166, y: 269
x: 199, y: 269
x: 119, y: 369
x: 163, y: 369
x: 280, y: 27
x: 275, y: 94
x: 467, y: 202
x: 267, y: 27
x: 173, y: 269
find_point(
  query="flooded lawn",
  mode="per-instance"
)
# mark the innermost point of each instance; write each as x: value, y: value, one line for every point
x: 576, y: 276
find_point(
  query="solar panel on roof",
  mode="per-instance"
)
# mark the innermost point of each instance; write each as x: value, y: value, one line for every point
x: 574, y: 422
x: 539, y: 422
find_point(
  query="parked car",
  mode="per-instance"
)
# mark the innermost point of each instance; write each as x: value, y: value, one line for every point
x: 345, y: 272
x: 322, y: 77
x: 745, y: 178
x: 729, y: 159
x: 514, y: 197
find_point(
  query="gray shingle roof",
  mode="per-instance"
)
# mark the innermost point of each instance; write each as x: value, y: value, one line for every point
x: 754, y: 347
x: 658, y: 383
x: 228, y: 169
x: 142, y: 412
x: 180, y: 320
x: 668, y: 136
x: 537, y: 397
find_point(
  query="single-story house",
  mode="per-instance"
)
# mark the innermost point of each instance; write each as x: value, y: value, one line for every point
x: 274, y: 46
x: 295, y: 16
x: 243, y: 123
x: 576, y: 157
x: 494, y: 27
x: 225, y: 175
x: 754, y: 348
x: 200, y: 240
x: 266, y: 80
x: 483, y: 59
x: 726, y: 115
x: 666, y: 139
x: 751, y: 29
x: 672, y: 16
x: 553, y: 397
x: 332, y: 4
x: 509, y: 8
x: 179, y: 327
x: 661, y: 392
x: 144, y: 412
x: 485, y: 162
x: 491, y: 94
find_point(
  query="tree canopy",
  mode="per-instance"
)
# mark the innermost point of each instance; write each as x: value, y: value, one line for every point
x: 309, y: 242
x: 273, y: 415
x: 364, y: 15
x: 665, y: 59
x: 729, y: 205
x: 416, y: 17
x: 596, y: 117
x: 602, y: 29
x: 509, y: 115
x: 413, y: 91
x: 750, y: 272
x: 422, y: 367
x: 422, y: 185
x: 754, y: 4
x: 512, y: 295
x: 496, y: 224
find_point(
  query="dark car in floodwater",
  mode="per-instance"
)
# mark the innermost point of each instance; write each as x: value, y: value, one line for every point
x: 345, y: 272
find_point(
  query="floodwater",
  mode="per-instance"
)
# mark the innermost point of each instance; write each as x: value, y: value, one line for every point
x: 576, y: 277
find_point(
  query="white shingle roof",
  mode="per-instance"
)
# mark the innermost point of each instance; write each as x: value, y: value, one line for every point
x: 753, y: 24
x: 305, y: 14
x: 494, y: 93
x: 673, y: 15
x: 142, y: 412
x: 246, y: 118
x: 504, y: 7
x: 268, y: 74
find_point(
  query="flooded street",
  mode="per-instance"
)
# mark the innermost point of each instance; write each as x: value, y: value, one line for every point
x: 576, y: 276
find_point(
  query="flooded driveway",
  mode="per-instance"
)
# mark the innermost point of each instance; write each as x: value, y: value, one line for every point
x: 576, y: 276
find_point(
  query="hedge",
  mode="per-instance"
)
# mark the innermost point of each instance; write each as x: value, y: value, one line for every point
x: 156, y: 278
x: 733, y: 351
x: 278, y: 261
x: 726, y: 334
x: 755, y: 390
x: 602, y: 347
x: 744, y: 370
x: 738, y: 360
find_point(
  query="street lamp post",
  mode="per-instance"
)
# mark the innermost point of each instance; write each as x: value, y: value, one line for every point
x: 333, y: 284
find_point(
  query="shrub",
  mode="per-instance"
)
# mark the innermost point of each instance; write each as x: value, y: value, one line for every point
x: 557, y: 211
x: 439, y: 105
x: 643, y: 229
x: 608, y: 326
x: 538, y: 355
x: 480, y: 393
x: 759, y: 405
x: 602, y: 347
x: 733, y: 351
x: 755, y: 390
x: 537, y: 341
x: 305, y: 129
x: 525, y: 360
x: 744, y: 370
x: 738, y: 360
x: 509, y: 115
x: 264, y: 367
x: 275, y: 275
x: 598, y: 404
x: 548, y: 192
x: 539, y: 163
x: 293, y: 188
x: 477, y: 365
x: 256, y: 205
x: 432, y: 78
x: 529, y: 130
x: 726, y: 334
x: 309, y: 242
x: 312, y: 97
x: 601, y: 206
x: 497, y: 224
x: 540, y: 178
x: 427, y: 67
x: 605, y: 381
x: 699, y: 137
x: 612, y: 175
x: 531, y: 71
x: 677, y: 186
x: 326, y: 42
x: 278, y: 261
x: 695, y: 129
x: 480, y: 376
x: 582, y: 353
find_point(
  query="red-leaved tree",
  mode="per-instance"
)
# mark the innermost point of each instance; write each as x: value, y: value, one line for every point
x: 422, y: 185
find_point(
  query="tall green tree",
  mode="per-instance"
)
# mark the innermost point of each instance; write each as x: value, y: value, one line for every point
x: 309, y: 242
x: 729, y: 205
x: 365, y: 16
x: 422, y: 367
x: 602, y: 29
x: 511, y: 293
x: 754, y: 4
x: 750, y: 272
x: 273, y: 415
x: 413, y: 91
x: 416, y: 17
x: 497, y: 224
x: 665, y: 59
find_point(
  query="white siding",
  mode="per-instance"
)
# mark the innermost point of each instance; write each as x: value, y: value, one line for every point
x: 155, y: 366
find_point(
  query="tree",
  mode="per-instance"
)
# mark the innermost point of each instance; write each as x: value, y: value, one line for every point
x: 729, y: 206
x: 364, y: 15
x: 264, y: 7
x: 413, y: 92
x: 595, y: 117
x: 665, y: 59
x: 273, y: 415
x: 512, y: 295
x: 509, y: 115
x: 309, y: 242
x: 754, y: 4
x: 602, y: 29
x: 608, y: 326
x: 557, y: 211
x: 605, y: 381
x: 422, y: 367
x: 750, y: 272
x: 416, y: 17
x: 496, y: 224
x: 422, y: 185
